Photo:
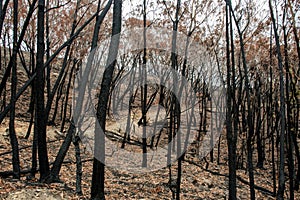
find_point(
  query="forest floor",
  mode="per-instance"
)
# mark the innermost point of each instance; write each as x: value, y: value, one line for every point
x: 199, y: 180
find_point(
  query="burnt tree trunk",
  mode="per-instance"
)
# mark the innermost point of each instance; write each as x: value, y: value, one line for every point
x: 97, y: 188
x: 12, y: 133
x: 40, y: 119
x: 281, y: 180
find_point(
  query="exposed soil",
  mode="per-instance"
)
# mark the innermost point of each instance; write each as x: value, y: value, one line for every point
x: 197, y: 181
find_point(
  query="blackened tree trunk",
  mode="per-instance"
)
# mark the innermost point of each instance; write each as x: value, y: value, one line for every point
x: 270, y: 113
x: 248, y: 101
x: 97, y: 188
x: 281, y: 180
x: 144, y: 86
x: 99, y: 20
x: 174, y: 114
x: 76, y: 140
x: 231, y: 144
x: 235, y: 101
x: 62, y: 153
x: 40, y: 123
x: 12, y: 133
x: 259, y: 138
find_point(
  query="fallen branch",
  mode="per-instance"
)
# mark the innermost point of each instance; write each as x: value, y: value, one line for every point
x: 6, y: 174
x: 25, y: 147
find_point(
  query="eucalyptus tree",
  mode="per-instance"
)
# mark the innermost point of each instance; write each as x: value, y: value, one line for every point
x: 97, y: 188
x: 281, y: 179
x: 12, y: 133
